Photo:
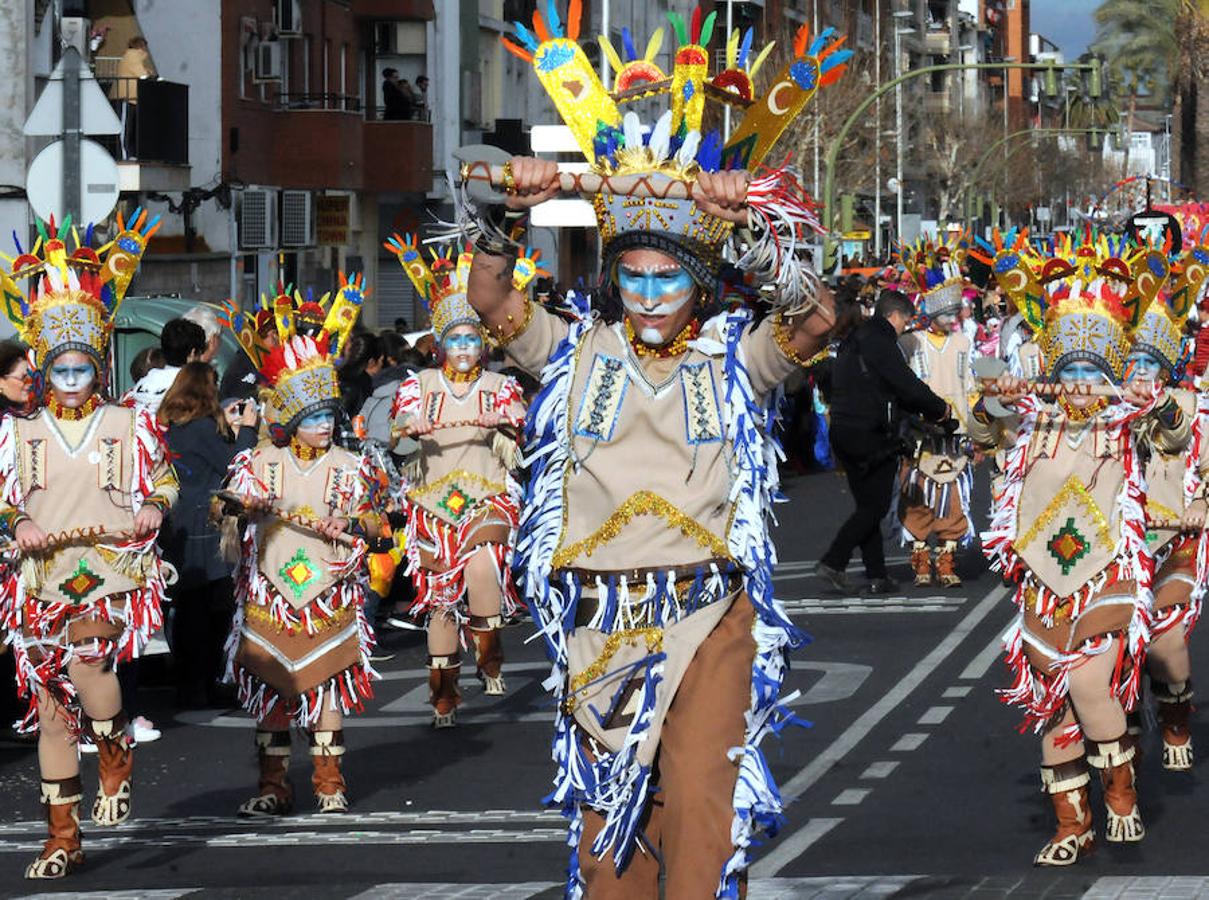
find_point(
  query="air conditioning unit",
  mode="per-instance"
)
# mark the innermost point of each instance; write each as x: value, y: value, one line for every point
x: 297, y: 219
x: 258, y: 219
x: 288, y: 16
x: 268, y: 62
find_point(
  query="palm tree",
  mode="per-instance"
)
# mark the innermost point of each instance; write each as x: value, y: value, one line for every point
x: 1192, y: 102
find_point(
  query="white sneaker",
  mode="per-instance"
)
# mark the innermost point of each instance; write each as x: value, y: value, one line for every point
x: 144, y: 730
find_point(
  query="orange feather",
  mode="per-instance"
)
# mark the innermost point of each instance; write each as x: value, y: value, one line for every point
x: 574, y: 12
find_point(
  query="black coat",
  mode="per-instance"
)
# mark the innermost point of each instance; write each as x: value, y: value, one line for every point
x: 200, y: 456
x: 871, y: 382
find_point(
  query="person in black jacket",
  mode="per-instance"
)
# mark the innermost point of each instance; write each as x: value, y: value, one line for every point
x: 202, y: 445
x: 870, y: 383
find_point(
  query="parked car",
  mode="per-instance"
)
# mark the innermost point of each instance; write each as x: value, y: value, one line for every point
x: 138, y: 325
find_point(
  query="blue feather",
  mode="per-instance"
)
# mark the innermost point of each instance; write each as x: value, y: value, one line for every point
x: 526, y: 37
x: 17, y: 242
x: 745, y: 48
x: 835, y: 59
x: 709, y: 153
x: 552, y: 21
x: 821, y: 41
x: 627, y: 41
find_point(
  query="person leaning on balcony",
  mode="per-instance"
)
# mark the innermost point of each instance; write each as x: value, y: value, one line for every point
x: 397, y: 99
x: 134, y: 65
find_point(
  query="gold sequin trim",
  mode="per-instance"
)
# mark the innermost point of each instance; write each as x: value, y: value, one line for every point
x: 782, y: 333
x: 654, y: 644
x: 639, y: 504
x: 499, y: 339
x: 459, y: 475
x: 1072, y: 490
x: 261, y: 616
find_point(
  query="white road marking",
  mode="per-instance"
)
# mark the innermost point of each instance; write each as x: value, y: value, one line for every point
x: 909, y: 741
x: 851, y: 797
x: 955, y: 693
x: 797, y: 565
x: 982, y: 662
x: 790, y: 848
x: 935, y: 715
x: 880, y: 769
x: 522, y: 891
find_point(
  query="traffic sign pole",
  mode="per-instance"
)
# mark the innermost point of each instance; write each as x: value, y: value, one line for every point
x: 71, y: 133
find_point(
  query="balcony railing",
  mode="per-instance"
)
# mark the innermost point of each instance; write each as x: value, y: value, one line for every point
x: 303, y: 101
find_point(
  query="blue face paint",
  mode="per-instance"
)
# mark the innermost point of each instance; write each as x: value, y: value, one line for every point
x: 659, y: 286
x: 463, y: 342
x: 70, y: 379
x: 318, y: 421
x: 1143, y: 366
x: 1081, y: 373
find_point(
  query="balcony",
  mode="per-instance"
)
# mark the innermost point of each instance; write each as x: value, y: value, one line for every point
x: 937, y: 42
x: 323, y: 141
x: 938, y: 103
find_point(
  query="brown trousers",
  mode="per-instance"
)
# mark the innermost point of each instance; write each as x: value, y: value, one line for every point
x: 921, y: 521
x: 689, y: 818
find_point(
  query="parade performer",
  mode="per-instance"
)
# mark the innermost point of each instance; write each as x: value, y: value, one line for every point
x: 1175, y: 503
x: 1074, y: 542
x: 85, y: 486
x: 936, y: 482
x: 461, y: 500
x: 299, y: 645
x: 644, y: 547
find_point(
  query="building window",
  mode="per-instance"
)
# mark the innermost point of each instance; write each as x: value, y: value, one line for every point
x: 306, y: 63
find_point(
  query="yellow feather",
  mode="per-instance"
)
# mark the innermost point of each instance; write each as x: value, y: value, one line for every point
x: 654, y: 45
x: 614, y: 60
x: 732, y: 49
x: 755, y: 66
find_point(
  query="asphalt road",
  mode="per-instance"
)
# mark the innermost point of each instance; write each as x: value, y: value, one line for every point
x: 913, y: 780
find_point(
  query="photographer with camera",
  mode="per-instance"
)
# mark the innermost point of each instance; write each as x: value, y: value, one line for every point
x: 871, y: 386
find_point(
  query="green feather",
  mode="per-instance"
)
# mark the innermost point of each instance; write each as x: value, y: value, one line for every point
x: 707, y: 30
x: 678, y: 23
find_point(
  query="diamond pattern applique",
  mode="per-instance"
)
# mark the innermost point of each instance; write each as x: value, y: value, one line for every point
x: 455, y: 502
x: 1068, y: 546
x: 82, y: 582
x: 299, y: 573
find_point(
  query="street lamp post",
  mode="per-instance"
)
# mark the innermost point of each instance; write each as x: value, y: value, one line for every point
x: 898, y: 119
x: 877, y: 175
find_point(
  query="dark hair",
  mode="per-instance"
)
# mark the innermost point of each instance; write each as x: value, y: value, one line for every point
x: 144, y: 361
x: 890, y: 302
x: 420, y: 78
x: 362, y: 346
x: 392, y: 345
x: 389, y: 70
x: 193, y: 395
x: 136, y: 42
x: 400, y: 324
x: 181, y: 338
x: 11, y: 353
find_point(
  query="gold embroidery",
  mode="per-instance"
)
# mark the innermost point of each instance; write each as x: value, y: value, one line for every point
x: 462, y: 476
x: 638, y: 504
x: 654, y: 644
x: 782, y: 333
x: 1072, y: 491
x: 261, y: 616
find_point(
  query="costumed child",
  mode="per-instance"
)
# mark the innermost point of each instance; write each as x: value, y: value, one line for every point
x: 1068, y: 527
x: 299, y: 646
x: 461, y: 500
x: 85, y: 486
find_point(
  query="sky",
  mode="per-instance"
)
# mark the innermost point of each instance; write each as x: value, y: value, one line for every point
x: 1068, y: 23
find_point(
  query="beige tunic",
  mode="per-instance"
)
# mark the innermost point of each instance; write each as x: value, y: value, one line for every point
x: 942, y: 361
x: 649, y: 483
x: 78, y: 475
x: 1165, y: 472
x: 456, y: 468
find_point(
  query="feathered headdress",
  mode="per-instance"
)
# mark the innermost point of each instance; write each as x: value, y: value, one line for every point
x: 72, y: 297
x: 674, y: 148
x: 442, y: 284
x: 934, y: 268
x: 1084, y: 299
x: 1161, y: 331
x: 300, y: 370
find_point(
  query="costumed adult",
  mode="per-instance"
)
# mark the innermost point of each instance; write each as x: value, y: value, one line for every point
x: 1175, y: 501
x: 299, y: 645
x: 461, y: 500
x: 85, y: 485
x: 644, y: 548
x: 1074, y: 545
x: 935, y: 485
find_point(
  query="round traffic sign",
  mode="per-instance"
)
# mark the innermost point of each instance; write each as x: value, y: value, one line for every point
x: 98, y: 182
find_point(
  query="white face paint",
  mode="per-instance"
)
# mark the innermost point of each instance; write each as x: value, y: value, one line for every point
x: 463, y: 347
x: 70, y: 379
x: 653, y: 294
x: 316, y: 429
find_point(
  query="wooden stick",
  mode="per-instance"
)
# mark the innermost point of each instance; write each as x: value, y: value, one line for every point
x: 86, y: 535
x: 310, y: 523
x: 1056, y: 389
x: 663, y: 188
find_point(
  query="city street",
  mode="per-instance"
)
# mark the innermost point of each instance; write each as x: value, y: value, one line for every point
x: 913, y: 780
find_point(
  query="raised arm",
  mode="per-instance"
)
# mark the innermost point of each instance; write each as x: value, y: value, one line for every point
x: 490, y: 290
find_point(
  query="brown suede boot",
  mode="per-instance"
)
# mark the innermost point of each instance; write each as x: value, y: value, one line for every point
x: 327, y: 747
x: 1066, y: 785
x: 61, y: 853
x: 115, y: 769
x: 1114, y: 759
x: 946, y: 565
x: 1175, y: 705
x: 276, y: 794
x: 443, y: 691
x: 489, y: 653
x: 921, y: 563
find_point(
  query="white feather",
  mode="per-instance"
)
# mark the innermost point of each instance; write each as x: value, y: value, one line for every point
x: 661, y: 137
x: 633, y: 130
x: 688, y: 150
